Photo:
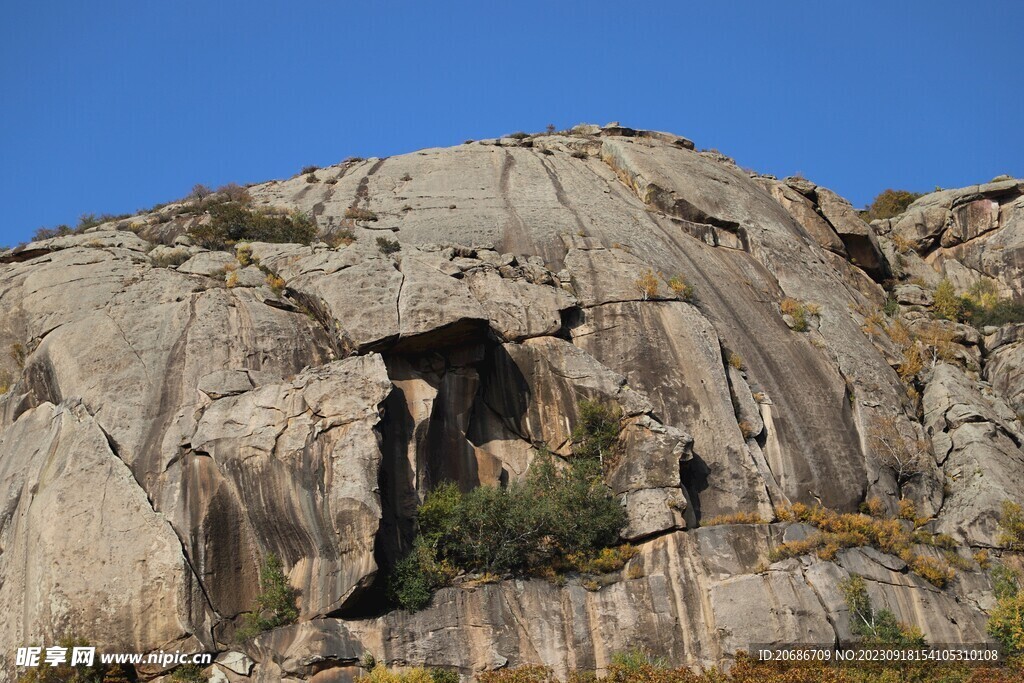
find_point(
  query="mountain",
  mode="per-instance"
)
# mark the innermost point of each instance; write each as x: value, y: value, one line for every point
x: 174, y: 414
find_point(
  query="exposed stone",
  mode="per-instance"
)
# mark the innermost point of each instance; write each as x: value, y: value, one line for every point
x: 169, y: 427
x: 860, y: 241
x: 978, y: 446
x: 912, y: 295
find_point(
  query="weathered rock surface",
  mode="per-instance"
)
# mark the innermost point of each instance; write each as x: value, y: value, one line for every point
x: 76, y: 525
x: 171, y: 415
x: 691, y: 597
x: 976, y: 440
x: 969, y: 233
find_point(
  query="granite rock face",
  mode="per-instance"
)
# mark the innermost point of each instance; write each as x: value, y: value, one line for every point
x: 172, y: 415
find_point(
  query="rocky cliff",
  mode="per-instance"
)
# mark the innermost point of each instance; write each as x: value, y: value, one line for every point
x: 175, y: 414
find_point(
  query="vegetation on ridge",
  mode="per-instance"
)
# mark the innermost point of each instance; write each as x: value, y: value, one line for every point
x: 231, y: 223
x: 1006, y: 619
x: 275, y: 604
x: 562, y: 515
x: 844, y: 530
x: 889, y: 204
x: 980, y: 306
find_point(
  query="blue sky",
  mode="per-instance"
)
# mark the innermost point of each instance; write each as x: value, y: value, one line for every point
x: 113, y: 106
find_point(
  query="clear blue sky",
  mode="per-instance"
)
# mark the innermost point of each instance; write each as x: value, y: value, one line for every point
x: 113, y: 106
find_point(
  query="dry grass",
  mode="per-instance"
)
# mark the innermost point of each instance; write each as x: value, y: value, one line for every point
x: 799, y: 311
x: 357, y: 214
x: 275, y: 283
x: 604, y: 562
x: 735, y: 360
x: 681, y: 288
x: 845, y: 530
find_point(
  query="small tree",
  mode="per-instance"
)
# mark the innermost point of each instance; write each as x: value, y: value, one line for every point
x: 946, y: 303
x: 199, y: 192
x: 889, y: 204
x: 234, y: 192
x: 1006, y: 620
x: 1011, y: 526
x: 596, y: 434
x: 876, y: 627
x: 647, y: 283
x: 580, y: 513
x: 904, y: 457
x: 275, y: 604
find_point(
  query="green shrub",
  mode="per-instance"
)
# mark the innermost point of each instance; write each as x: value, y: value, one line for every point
x: 636, y: 660
x: 444, y: 676
x: 275, y: 604
x: 1005, y: 582
x: 1000, y: 313
x: 879, y: 627
x: 306, y: 170
x: 580, y: 514
x: 800, y: 312
x: 557, y: 516
x: 415, y: 577
x: 891, y: 307
x: 388, y: 246
x: 889, y: 204
x: 492, y: 529
x: 88, y: 220
x: 188, y: 673
x: 596, y: 434
x: 231, y: 222
x: 983, y: 306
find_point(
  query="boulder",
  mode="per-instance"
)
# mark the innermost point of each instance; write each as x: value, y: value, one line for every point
x: 857, y: 236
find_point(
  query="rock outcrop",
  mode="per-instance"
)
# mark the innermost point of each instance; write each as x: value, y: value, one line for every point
x: 172, y: 415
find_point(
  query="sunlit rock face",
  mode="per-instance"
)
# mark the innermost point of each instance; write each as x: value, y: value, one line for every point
x: 173, y: 415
